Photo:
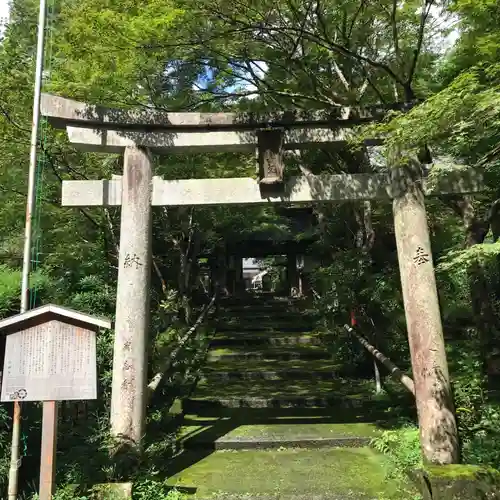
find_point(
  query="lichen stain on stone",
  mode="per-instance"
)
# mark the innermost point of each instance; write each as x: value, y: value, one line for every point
x: 134, y: 179
x: 127, y: 391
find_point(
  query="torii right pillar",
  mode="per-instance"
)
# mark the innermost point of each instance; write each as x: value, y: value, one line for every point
x: 436, y: 416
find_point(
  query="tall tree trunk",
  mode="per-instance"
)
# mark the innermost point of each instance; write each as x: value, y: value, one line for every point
x: 188, y: 246
x: 476, y: 230
x: 365, y: 239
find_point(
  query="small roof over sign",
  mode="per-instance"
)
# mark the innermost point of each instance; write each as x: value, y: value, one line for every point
x: 62, y: 312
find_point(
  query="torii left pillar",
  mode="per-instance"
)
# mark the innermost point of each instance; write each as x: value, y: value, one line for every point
x: 128, y: 398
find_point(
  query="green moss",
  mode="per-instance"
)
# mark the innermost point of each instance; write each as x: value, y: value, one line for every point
x: 327, y: 472
x: 261, y: 435
x: 112, y: 491
x: 221, y: 352
x: 245, y: 337
x: 176, y: 407
x: 245, y: 350
x: 354, y: 389
x: 189, y: 431
x: 311, y: 365
x: 456, y: 471
x: 295, y: 431
x: 457, y: 482
x: 270, y: 417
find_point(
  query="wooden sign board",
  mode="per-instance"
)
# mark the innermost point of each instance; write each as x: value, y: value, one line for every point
x: 54, y: 361
x: 50, y: 355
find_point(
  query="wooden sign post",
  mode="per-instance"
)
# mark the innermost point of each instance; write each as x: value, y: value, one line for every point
x: 50, y: 356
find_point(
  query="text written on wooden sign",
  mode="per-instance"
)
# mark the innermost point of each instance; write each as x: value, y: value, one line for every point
x: 50, y: 362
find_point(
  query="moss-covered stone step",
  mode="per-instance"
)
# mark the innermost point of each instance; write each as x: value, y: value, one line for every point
x: 278, y: 435
x: 282, y: 316
x: 259, y: 308
x: 226, y: 371
x: 252, y: 301
x: 265, y: 313
x: 280, y: 401
x: 264, y: 339
x: 244, y: 327
x: 272, y: 353
x: 337, y: 387
x: 267, y: 416
x: 277, y: 394
x: 259, y: 299
x: 288, y: 474
x: 344, y: 411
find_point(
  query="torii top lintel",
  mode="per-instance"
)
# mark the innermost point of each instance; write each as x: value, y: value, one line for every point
x: 62, y: 112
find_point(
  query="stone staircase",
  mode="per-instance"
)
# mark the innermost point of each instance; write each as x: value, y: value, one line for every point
x: 271, y: 418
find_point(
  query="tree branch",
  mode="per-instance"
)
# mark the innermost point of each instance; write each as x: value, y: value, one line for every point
x: 394, y: 24
x: 156, y: 380
x: 416, y: 53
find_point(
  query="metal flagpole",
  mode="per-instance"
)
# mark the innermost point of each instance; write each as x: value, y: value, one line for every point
x: 33, y: 157
x: 16, y: 421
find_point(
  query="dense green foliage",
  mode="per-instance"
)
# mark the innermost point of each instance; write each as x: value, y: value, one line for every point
x: 216, y: 55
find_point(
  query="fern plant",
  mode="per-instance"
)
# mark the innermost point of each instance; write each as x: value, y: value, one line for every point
x: 402, y: 447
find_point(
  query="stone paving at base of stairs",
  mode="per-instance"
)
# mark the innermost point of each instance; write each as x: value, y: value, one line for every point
x: 285, y: 474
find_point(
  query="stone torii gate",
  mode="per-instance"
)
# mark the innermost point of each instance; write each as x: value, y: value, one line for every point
x: 137, y: 134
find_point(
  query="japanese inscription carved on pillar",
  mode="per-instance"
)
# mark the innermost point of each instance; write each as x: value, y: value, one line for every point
x: 270, y: 149
x: 421, y: 256
x: 132, y: 261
